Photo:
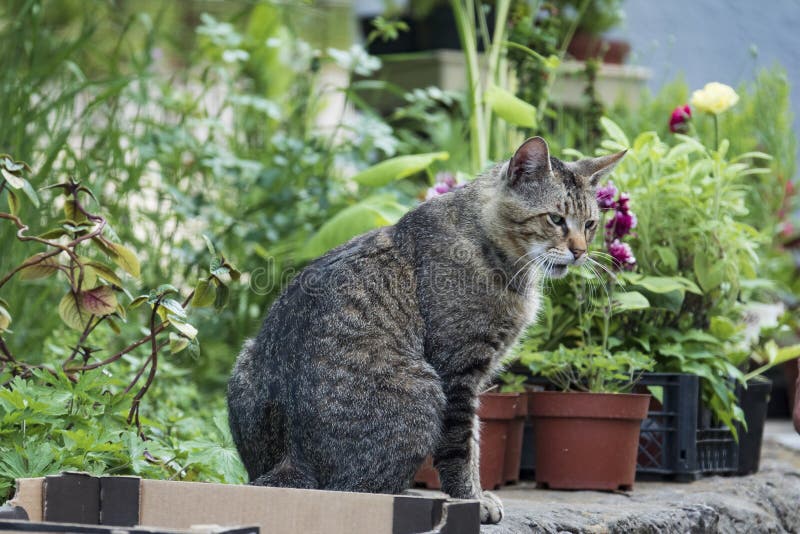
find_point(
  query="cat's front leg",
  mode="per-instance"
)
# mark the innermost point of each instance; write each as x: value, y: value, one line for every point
x: 457, y: 457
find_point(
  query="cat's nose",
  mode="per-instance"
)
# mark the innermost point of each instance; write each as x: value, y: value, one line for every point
x: 577, y: 252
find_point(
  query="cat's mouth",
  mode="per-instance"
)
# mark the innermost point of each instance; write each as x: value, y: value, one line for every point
x: 558, y: 270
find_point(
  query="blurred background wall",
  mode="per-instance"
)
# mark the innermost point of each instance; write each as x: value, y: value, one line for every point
x: 714, y: 40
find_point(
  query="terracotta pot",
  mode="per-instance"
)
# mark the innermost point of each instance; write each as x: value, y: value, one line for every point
x: 427, y: 475
x: 587, y: 440
x: 585, y: 46
x: 496, y: 411
x: 516, y: 429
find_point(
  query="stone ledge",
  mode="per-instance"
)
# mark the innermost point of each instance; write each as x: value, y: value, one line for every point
x: 768, y: 501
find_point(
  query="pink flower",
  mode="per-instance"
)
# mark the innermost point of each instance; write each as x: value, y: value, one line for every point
x: 605, y: 196
x: 445, y: 182
x: 622, y: 254
x: 624, y: 203
x: 620, y: 224
x: 679, y: 121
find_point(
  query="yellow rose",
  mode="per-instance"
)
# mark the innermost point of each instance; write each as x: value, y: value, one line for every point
x: 714, y: 98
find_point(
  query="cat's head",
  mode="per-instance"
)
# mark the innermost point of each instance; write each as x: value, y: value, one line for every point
x: 547, y: 211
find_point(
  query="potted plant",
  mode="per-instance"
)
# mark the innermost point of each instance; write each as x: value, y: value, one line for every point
x: 587, y: 432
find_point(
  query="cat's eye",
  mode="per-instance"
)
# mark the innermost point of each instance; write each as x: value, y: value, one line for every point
x: 590, y: 224
x: 556, y: 219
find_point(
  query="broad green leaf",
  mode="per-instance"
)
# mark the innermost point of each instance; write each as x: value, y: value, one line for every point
x: 510, y: 108
x: 105, y: 272
x: 42, y: 269
x: 366, y: 215
x: 709, y: 273
x: 98, y: 301
x: 397, y: 168
x: 126, y: 259
x: 204, y: 294
x: 174, y: 307
x: 614, y: 131
x: 721, y: 327
x: 182, y: 326
x: 72, y: 212
x: 13, y: 180
x: 629, y: 300
x: 30, y: 192
x: 177, y: 343
x: 72, y: 315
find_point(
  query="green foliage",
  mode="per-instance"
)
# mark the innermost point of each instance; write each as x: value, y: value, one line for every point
x: 587, y: 368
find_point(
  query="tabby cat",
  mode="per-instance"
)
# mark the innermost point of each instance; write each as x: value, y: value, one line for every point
x: 374, y: 356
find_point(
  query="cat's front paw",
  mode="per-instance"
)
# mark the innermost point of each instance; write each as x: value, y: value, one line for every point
x: 491, y: 508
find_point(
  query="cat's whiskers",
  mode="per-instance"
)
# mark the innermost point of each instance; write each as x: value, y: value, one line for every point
x: 523, y: 269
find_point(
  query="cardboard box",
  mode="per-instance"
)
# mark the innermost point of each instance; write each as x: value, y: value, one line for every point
x: 159, y: 504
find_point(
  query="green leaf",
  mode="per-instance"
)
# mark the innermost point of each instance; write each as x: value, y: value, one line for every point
x: 629, y: 300
x: 222, y: 297
x: 30, y: 192
x: 13, y: 202
x: 72, y: 212
x: 72, y: 315
x: 709, y: 273
x: 99, y: 301
x: 177, y: 343
x: 204, y: 294
x: 181, y: 326
x: 614, y: 131
x: 366, y: 215
x: 722, y: 328
x: 510, y: 108
x: 138, y: 301
x: 397, y: 168
x: 43, y: 269
x: 105, y: 272
x: 209, y: 245
x: 5, y: 319
x: 13, y: 180
x: 125, y: 258
x: 174, y: 307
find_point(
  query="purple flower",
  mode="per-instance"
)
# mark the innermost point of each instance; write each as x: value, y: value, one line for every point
x: 622, y: 254
x: 605, y: 196
x: 620, y: 224
x: 445, y: 182
x: 624, y: 203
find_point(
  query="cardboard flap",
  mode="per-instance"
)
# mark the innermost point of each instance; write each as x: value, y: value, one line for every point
x: 28, y: 496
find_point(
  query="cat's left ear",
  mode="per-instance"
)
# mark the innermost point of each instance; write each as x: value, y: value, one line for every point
x: 595, y: 168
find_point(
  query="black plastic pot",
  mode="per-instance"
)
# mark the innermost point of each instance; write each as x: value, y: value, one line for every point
x: 754, y: 402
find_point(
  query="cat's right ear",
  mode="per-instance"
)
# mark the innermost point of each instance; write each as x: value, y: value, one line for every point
x: 531, y: 158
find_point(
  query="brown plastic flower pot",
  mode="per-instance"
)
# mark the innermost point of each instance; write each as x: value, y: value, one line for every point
x: 496, y: 411
x: 516, y: 428
x: 587, y: 440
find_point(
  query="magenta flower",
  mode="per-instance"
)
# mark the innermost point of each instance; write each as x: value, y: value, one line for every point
x: 620, y: 224
x: 605, y: 196
x: 624, y: 203
x: 622, y: 254
x: 679, y: 120
x: 445, y: 182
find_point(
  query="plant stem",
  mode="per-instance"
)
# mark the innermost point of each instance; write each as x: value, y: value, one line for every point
x: 466, y: 34
x: 716, y: 131
x: 544, y: 100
